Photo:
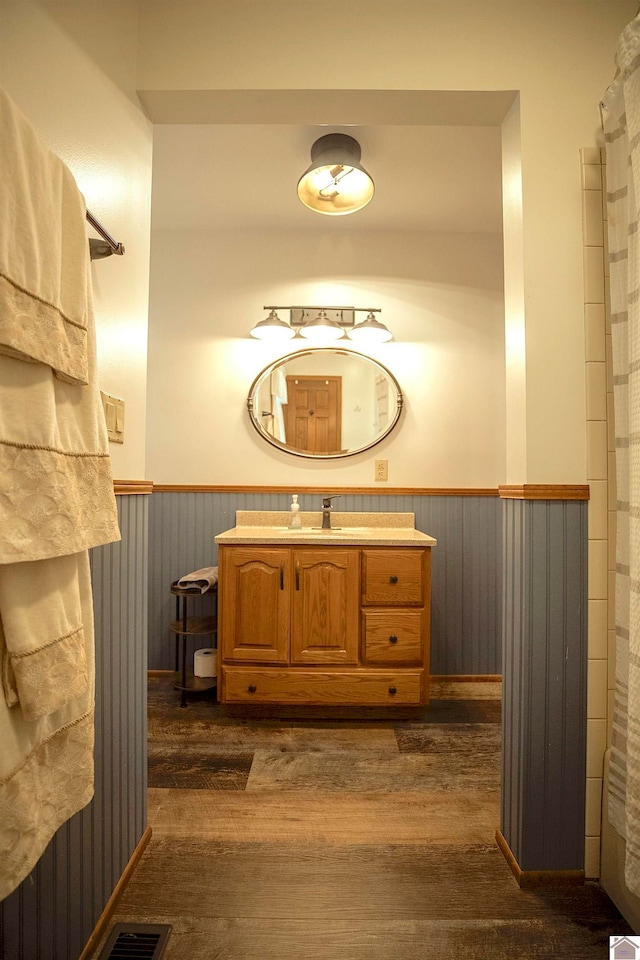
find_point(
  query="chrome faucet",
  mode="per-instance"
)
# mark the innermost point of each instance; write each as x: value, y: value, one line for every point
x: 326, y: 511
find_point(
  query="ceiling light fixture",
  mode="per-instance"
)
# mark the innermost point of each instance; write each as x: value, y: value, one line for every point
x: 322, y: 324
x: 336, y: 183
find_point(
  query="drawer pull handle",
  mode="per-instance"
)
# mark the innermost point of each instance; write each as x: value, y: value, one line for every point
x: 252, y: 688
x: 392, y: 691
x: 393, y: 639
x: 281, y: 577
x: 297, y: 574
x: 393, y: 579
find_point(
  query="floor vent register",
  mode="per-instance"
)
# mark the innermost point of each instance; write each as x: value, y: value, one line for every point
x: 136, y: 941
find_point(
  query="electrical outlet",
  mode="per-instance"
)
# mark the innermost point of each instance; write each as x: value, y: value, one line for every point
x: 381, y: 470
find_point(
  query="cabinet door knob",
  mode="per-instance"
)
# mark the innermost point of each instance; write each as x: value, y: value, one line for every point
x: 393, y: 639
x: 252, y: 688
x: 392, y: 691
x: 393, y: 579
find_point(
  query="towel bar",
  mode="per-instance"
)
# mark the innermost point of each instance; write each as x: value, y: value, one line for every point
x: 98, y: 249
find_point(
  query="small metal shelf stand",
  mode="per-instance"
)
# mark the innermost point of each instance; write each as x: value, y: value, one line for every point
x: 185, y: 626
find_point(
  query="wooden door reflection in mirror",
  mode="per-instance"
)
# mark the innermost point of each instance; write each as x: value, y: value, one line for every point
x: 313, y: 414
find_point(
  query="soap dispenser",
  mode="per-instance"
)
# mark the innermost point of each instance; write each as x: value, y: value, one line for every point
x: 295, y: 523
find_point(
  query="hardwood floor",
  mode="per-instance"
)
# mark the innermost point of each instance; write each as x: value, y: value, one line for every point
x: 312, y: 839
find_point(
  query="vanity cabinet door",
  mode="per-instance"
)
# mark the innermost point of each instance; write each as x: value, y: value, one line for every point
x: 325, y: 606
x: 254, y: 603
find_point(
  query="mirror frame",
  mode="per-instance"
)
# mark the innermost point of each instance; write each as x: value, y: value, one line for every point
x: 323, y: 456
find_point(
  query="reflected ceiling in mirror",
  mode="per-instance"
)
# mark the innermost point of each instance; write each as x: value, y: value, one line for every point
x: 324, y: 403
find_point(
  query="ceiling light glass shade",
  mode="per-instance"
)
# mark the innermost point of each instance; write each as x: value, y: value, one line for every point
x: 370, y: 331
x: 336, y: 183
x: 272, y: 328
x: 323, y: 329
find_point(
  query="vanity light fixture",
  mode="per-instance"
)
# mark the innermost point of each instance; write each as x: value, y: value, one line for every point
x: 322, y: 324
x: 335, y: 183
x: 322, y: 328
x: 272, y: 328
x: 370, y: 331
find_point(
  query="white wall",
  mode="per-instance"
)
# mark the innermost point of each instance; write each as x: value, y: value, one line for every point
x: 53, y: 58
x: 559, y: 55
x: 440, y: 295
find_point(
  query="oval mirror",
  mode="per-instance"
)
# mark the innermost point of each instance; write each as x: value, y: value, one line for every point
x: 324, y: 402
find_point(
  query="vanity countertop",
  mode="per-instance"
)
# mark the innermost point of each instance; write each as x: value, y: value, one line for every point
x: 354, y: 529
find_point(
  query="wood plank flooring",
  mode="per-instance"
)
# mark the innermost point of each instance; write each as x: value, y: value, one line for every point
x: 301, y: 838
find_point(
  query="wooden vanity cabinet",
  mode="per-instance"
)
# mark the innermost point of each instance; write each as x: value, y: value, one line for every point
x: 323, y: 625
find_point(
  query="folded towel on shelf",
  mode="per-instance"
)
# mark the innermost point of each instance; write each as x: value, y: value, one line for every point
x: 203, y: 579
x: 43, y: 292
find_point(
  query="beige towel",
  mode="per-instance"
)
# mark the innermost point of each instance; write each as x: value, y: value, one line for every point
x: 44, y: 664
x: 43, y: 244
x: 56, y: 498
x: 47, y: 712
x: 56, y: 487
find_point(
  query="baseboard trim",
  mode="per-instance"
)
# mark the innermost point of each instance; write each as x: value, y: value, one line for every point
x: 465, y: 686
x: 118, y: 890
x: 465, y: 678
x: 535, y: 878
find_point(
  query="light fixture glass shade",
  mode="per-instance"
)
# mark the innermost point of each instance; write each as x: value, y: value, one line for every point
x: 336, y: 183
x: 272, y: 328
x: 370, y: 331
x: 322, y: 329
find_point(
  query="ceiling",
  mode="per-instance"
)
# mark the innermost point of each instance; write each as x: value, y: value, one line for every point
x: 235, y: 176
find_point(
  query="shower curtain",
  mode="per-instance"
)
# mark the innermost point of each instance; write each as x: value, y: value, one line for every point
x: 621, y: 122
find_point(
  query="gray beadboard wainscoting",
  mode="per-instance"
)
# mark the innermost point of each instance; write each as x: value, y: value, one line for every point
x: 544, y: 682
x: 53, y: 912
x: 466, y: 564
x: 508, y: 574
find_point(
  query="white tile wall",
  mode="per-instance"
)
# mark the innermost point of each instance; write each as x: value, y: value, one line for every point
x: 597, y: 460
x: 596, y: 746
x: 599, y: 406
x: 594, y: 315
x: 598, y: 510
x: 597, y: 645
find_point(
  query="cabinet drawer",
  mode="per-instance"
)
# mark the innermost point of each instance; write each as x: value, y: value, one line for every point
x: 393, y: 577
x: 392, y: 636
x: 319, y: 688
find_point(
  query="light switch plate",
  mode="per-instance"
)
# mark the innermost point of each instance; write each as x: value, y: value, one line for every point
x: 114, y: 415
